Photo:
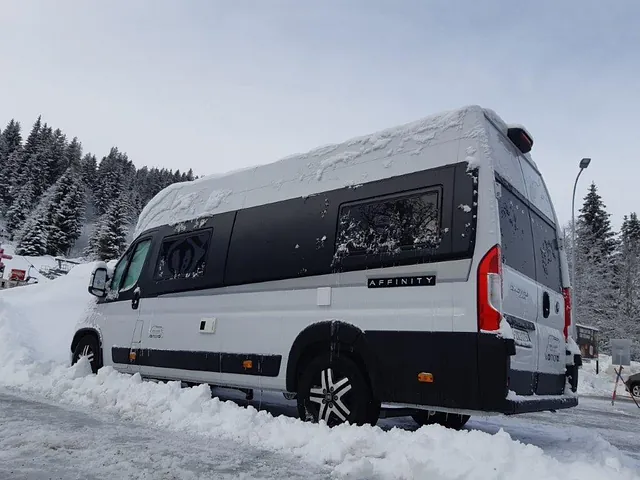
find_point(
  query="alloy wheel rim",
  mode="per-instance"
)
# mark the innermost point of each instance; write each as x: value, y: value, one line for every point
x: 87, y: 352
x: 636, y: 391
x: 330, y: 396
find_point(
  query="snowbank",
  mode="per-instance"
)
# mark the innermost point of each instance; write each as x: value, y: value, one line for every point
x: 601, y: 385
x: 35, y: 328
x: 39, y: 319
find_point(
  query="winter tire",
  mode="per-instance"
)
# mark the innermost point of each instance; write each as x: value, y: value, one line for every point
x: 635, y: 390
x: 332, y: 388
x: 454, y: 421
x: 88, y: 347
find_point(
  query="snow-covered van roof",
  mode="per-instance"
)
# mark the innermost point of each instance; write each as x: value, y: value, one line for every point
x: 391, y: 152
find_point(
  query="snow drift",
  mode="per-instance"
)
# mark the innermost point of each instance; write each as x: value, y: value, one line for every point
x: 602, y: 385
x: 36, y: 324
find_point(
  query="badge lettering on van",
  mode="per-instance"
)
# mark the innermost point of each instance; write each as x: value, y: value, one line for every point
x: 390, y: 282
x: 553, y: 349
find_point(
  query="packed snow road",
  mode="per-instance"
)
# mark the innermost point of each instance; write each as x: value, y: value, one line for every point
x: 41, y: 440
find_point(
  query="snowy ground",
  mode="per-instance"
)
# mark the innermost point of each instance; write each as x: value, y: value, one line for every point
x: 58, y: 421
x: 602, y: 384
x: 43, y: 440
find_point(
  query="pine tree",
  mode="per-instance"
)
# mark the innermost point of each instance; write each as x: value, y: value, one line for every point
x: 69, y: 218
x: 629, y: 278
x: 58, y: 161
x: 34, y: 239
x: 88, y: 170
x: 64, y: 212
x: 33, y: 140
x: 73, y: 155
x: 596, y: 221
x: 596, y: 276
x: 20, y: 208
x: 113, y: 179
x: 11, y: 138
x: 6, y: 181
x: 40, y: 164
x: 110, y: 235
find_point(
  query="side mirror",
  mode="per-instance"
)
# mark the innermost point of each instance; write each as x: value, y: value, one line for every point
x: 98, y: 283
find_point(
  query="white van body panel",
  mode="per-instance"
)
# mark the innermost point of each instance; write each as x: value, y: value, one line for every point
x: 266, y: 318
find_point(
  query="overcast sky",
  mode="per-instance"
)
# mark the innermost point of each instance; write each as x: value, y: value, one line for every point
x: 219, y: 85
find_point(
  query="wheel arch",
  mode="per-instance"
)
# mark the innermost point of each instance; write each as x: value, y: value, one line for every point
x: 340, y: 337
x: 84, y: 332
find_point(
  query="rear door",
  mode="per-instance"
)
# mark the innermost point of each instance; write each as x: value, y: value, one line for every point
x: 550, y: 325
x: 520, y: 290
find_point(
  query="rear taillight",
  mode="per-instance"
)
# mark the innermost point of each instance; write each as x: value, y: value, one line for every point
x: 566, y: 292
x: 490, y: 290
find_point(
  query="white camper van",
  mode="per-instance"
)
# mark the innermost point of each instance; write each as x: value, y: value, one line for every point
x: 417, y: 271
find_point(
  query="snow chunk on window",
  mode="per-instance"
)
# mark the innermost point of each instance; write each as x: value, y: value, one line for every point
x: 465, y: 208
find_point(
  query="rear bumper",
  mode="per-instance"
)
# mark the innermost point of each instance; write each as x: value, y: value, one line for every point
x: 514, y: 404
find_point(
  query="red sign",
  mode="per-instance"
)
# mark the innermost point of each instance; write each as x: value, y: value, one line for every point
x: 17, y: 275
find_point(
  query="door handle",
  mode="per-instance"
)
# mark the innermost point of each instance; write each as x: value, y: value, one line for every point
x: 546, y: 305
x: 135, y: 301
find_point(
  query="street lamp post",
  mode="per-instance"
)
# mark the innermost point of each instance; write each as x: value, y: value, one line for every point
x: 584, y: 163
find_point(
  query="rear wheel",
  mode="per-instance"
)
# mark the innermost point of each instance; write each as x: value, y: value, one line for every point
x: 332, y: 388
x: 87, y: 347
x: 454, y: 421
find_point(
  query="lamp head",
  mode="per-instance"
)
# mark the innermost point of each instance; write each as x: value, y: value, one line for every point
x: 584, y: 163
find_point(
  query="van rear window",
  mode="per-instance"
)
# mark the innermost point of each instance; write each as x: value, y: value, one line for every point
x: 515, y: 229
x: 529, y: 241
x: 547, y: 253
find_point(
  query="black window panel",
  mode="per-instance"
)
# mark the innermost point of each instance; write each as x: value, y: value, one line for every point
x: 547, y: 253
x: 464, y: 210
x: 296, y: 237
x: 288, y: 239
x: 385, y: 229
x: 218, y: 228
x: 183, y: 256
x: 515, y: 229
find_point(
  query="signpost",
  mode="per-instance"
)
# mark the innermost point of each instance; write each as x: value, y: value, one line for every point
x: 621, y: 356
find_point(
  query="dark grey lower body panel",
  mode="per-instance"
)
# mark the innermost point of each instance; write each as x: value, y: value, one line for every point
x: 534, y: 404
x: 238, y: 363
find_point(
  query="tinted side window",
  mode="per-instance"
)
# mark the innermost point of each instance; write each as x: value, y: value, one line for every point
x: 515, y: 229
x: 536, y: 190
x: 183, y: 256
x: 546, y: 253
x: 390, y: 227
x: 135, y: 266
x: 119, y: 272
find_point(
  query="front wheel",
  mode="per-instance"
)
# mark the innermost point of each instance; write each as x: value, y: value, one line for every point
x: 454, y: 421
x: 87, y: 347
x: 635, y: 390
x: 332, y: 388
